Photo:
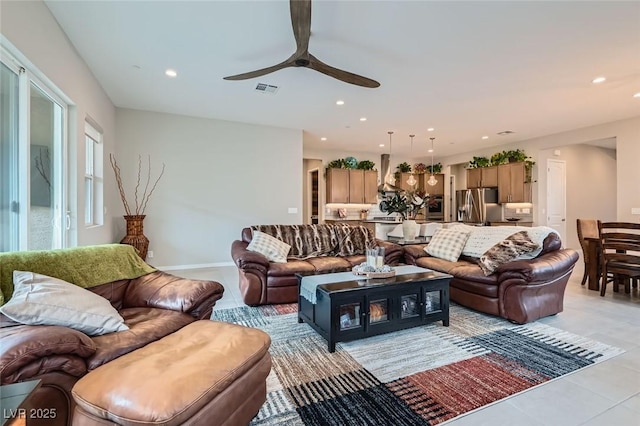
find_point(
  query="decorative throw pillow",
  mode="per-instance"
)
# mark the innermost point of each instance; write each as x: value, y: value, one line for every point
x: 42, y: 300
x: 447, y: 244
x: 506, y: 251
x: 271, y: 247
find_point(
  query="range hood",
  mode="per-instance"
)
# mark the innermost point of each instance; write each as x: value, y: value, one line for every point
x: 388, y: 180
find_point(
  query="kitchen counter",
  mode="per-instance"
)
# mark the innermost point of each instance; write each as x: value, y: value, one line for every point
x: 509, y: 223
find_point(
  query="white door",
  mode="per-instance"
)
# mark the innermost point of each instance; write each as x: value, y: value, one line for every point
x: 557, y: 196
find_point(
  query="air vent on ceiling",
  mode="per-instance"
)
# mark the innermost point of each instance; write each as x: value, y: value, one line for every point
x: 506, y: 132
x: 266, y: 88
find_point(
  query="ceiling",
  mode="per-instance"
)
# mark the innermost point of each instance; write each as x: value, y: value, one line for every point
x: 467, y: 69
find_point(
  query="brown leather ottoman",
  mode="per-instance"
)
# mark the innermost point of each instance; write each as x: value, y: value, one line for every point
x: 207, y: 373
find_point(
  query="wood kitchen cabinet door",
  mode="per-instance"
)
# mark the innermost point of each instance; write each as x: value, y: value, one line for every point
x: 511, y: 187
x: 482, y: 177
x: 337, y: 186
x: 489, y: 177
x: 474, y: 178
x: 356, y: 186
x: 370, y: 187
x: 437, y: 189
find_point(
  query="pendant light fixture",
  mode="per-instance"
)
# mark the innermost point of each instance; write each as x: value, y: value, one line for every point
x: 432, y: 179
x: 412, y: 180
x: 389, y: 178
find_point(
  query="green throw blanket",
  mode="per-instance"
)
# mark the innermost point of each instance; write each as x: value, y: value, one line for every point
x: 83, y: 266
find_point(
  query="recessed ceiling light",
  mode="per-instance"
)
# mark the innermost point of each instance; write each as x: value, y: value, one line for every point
x: 485, y: 137
x: 598, y: 80
x: 339, y: 102
x: 430, y: 150
x: 637, y: 95
x: 430, y: 129
x: 171, y: 73
x: 323, y: 139
x: 381, y: 145
x: 363, y: 118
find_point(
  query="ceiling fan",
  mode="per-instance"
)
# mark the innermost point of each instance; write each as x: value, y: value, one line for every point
x: 301, y: 22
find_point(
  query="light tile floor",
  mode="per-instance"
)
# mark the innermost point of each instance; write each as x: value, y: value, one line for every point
x: 604, y: 394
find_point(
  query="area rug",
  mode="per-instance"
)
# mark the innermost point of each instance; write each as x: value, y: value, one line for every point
x: 420, y: 376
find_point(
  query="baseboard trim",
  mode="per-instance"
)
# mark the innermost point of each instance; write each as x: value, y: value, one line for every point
x: 196, y: 266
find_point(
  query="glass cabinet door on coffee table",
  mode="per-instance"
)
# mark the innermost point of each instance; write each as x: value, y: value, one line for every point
x: 378, y: 310
x: 432, y: 302
x: 409, y: 304
x: 351, y: 315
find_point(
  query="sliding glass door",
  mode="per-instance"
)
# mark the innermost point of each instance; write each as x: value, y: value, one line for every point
x: 9, y: 160
x: 32, y: 159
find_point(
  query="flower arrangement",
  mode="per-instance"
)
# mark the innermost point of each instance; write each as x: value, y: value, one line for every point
x: 141, y: 203
x: 407, y: 203
x: 419, y: 168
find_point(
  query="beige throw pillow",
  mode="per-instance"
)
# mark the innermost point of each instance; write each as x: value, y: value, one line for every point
x: 447, y: 244
x: 42, y: 300
x: 506, y: 251
x: 271, y: 247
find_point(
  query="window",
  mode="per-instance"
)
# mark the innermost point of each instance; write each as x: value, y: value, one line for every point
x: 33, y: 140
x: 93, y: 176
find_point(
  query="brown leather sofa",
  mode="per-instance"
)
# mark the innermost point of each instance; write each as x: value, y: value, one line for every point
x: 263, y: 282
x: 520, y: 291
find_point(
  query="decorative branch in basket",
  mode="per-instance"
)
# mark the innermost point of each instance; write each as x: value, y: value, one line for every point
x: 141, y: 203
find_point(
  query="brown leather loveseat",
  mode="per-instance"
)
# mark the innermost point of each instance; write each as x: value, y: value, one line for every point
x: 153, y: 306
x: 317, y: 248
x: 520, y: 290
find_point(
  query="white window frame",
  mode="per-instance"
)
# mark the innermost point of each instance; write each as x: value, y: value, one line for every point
x: 93, y: 175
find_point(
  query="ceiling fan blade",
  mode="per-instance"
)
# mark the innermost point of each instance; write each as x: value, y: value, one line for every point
x: 261, y: 72
x: 347, y: 77
x: 301, y: 23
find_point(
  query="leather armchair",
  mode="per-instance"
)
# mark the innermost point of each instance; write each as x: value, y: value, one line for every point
x: 153, y: 306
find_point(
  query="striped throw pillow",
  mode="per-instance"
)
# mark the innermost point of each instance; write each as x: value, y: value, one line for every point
x: 447, y: 244
x: 272, y: 248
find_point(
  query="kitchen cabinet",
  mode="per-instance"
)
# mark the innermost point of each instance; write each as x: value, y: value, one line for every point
x: 482, y: 177
x: 511, y: 186
x: 370, y: 187
x: 402, y: 182
x: 437, y: 189
x: 337, y: 186
x: 352, y: 186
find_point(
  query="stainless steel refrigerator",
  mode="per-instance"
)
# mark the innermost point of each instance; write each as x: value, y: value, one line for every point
x: 478, y: 206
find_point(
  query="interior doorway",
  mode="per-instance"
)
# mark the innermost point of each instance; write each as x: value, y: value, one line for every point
x: 315, y: 199
x: 312, y: 189
x: 557, y: 196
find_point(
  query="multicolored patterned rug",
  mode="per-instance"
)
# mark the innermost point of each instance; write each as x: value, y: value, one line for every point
x: 420, y: 376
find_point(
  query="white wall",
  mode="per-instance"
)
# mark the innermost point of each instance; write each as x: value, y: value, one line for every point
x: 591, y: 185
x: 220, y: 177
x: 30, y: 27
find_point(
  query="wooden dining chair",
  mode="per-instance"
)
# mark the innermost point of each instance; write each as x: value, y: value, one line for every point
x: 587, y: 228
x: 620, y: 257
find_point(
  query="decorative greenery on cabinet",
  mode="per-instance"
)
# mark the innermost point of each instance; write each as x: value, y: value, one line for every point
x: 505, y: 157
x: 351, y: 163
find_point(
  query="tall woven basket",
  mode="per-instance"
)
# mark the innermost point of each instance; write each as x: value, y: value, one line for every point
x: 135, y: 235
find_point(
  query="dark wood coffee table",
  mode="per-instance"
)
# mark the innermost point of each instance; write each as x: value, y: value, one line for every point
x: 355, y: 309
